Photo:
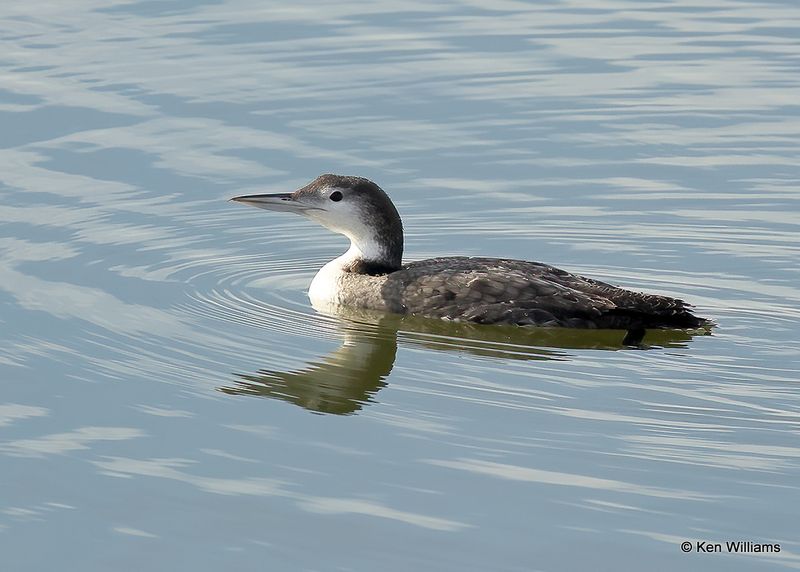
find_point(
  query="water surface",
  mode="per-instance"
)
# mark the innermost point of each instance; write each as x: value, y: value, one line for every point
x: 170, y: 400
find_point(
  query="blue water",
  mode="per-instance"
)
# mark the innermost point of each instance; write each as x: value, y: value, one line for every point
x: 169, y: 399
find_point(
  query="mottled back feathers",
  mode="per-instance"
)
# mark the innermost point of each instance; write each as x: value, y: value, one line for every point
x: 490, y: 291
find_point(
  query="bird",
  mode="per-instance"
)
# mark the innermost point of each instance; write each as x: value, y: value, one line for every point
x: 371, y: 275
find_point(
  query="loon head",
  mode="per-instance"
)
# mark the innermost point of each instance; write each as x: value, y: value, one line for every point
x: 353, y: 206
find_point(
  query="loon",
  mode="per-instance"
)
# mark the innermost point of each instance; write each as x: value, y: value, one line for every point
x: 372, y: 276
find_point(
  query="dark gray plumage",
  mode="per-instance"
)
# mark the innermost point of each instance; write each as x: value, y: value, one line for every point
x: 492, y: 291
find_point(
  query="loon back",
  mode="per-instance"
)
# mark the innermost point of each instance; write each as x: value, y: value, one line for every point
x: 502, y: 291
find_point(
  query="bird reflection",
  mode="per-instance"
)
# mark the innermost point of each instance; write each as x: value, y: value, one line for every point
x: 350, y: 376
x: 340, y: 383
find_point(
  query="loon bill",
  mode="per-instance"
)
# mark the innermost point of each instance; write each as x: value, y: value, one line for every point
x: 371, y: 274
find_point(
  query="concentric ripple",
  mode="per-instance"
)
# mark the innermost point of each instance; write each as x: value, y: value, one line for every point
x: 258, y: 291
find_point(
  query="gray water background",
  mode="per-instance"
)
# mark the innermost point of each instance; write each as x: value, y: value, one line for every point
x: 170, y: 401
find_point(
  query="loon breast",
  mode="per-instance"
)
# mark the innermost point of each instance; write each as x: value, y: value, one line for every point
x: 337, y: 285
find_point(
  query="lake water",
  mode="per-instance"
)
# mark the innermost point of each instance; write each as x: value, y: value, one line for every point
x: 170, y: 401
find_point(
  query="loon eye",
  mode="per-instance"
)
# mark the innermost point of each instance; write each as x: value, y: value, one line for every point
x: 336, y: 196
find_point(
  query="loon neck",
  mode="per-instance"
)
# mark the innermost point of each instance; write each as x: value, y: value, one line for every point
x: 372, y: 257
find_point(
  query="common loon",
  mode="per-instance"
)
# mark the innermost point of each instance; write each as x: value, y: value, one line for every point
x: 371, y: 274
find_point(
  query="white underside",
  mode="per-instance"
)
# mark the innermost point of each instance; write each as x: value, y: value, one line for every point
x: 333, y: 287
x: 324, y: 289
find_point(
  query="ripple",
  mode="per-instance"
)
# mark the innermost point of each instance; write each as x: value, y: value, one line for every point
x: 256, y: 291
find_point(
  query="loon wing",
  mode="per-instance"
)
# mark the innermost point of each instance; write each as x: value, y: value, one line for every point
x: 489, y: 291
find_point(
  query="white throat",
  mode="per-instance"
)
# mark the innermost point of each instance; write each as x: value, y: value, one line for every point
x: 363, y: 247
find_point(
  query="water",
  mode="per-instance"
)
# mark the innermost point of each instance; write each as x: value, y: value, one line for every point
x: 168, y: 398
